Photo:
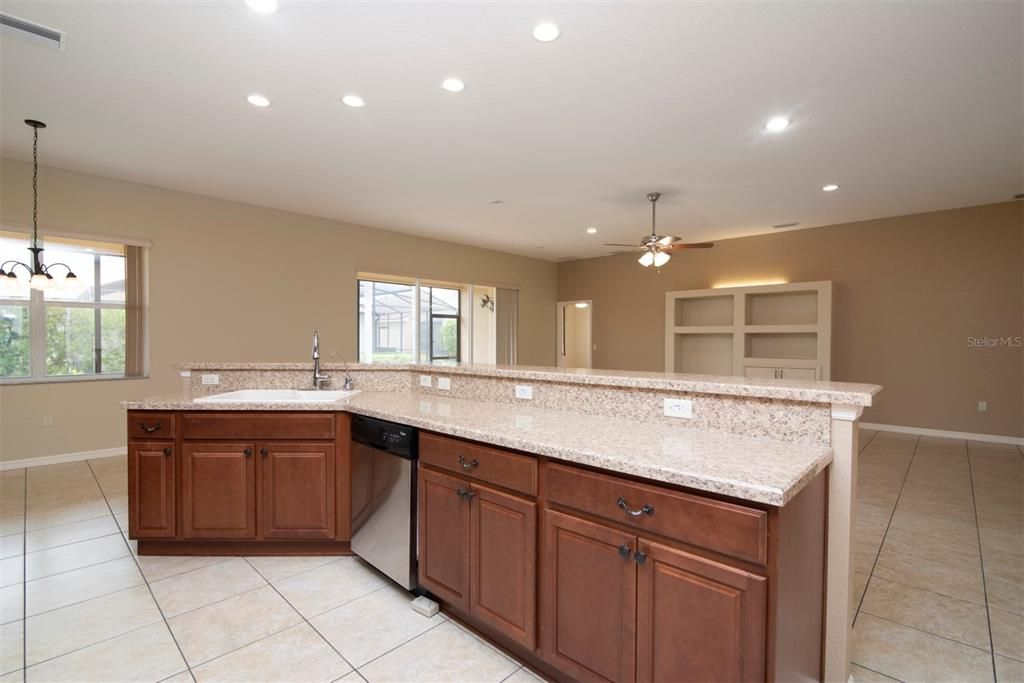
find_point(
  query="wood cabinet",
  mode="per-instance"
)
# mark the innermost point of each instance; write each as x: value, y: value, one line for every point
x: 758, y: 371
x: 218, y: 490
x: 478, y: 550
x: 151, y: 498
x: 297, y: 490
x: 214, y: 482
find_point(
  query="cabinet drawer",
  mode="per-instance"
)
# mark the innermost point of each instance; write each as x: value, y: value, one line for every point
x: 147, y: 425
x: 252, y: 426
x: 726, y: 528
x: 479, y: 462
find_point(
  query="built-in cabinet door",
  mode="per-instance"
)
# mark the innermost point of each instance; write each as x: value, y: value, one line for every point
x: 297, y: 490
x: 503, y: 563
x: 697, y: 620
x: 444, y: 512
x: 589, y: 599
x: 218, y: 490
x: 151, y: 489
x: 799, y: 373
x: 760, y: 372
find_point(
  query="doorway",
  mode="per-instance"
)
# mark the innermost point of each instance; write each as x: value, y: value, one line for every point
x: 574, y: 334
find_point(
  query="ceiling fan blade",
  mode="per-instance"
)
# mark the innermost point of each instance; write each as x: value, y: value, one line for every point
x: 609, y: 244
x: 668, y: 239
x: 692, y: 245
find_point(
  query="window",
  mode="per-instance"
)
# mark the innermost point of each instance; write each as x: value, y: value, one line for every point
x: 79, y: 331
x: 387, y: 321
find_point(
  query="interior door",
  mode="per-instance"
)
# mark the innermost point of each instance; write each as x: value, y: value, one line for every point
x: 573, y: 326
x: 589, y: 599
x: 297, y: 490
x: 444, y: 512
x: 218, y: 490
x: 697, y: 620
x: 503, y: 563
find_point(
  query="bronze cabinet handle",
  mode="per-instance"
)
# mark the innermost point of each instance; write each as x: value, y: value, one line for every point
x: 468, y: 465
x: 149, y: 430
x: 640, y: 557
x: 167, y: 450
x: 248, y: 452
x: 465, y: 494
x: 624, y: 552
x: 644, y: 510
x: 264, y: 452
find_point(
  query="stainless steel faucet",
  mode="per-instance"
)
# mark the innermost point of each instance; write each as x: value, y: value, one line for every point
x: 319, y: 378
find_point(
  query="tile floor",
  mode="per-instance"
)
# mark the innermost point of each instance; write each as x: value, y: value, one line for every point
x: 77, y: 603
x: 939, y: 579
x: 939, y: 560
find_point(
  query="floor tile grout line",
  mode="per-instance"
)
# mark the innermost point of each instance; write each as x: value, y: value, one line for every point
x: 83, y: 540
x: 928, y: 590
x: 218, y: 600
x: 242, y: 647
x: 303, y: 616
x: 54, y: 526
x: 877, y: 672
x: 75, y: 569
x: 511, y: 674
x: 386, y: 653
x: 927, y: 633
x: 981, y: 560
x: 867, y: 443
x: 84, y: 600
x: 885, y: 533
x: 98, y: 642
x: 24, y: 579
x: 146, y: 580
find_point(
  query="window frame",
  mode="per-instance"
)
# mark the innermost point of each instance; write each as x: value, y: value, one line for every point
x: 37, y: 305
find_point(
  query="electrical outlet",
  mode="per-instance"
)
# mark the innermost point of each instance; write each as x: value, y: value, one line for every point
x: 426, y: 381
x: 47, y: 420
x: 678, y: 407
x: 211, y: 379
x: 444, y: 383
x: 524, y: 391
x: 982, y: 406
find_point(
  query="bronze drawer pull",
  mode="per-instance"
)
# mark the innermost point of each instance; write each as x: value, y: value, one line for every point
x: 645, y: 510
x: 149, y: 430
x: 167, y: 450
x: 468, y: 465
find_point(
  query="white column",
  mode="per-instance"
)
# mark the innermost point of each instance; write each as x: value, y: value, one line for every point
x: 842, y: 501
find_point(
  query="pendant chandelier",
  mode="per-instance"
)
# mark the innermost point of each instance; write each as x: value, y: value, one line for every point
x: 35, y: 272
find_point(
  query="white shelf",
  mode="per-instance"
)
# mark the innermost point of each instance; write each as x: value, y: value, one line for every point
x: 743, y: 329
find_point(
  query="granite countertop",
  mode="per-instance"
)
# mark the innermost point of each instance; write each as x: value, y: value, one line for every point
x: 758, y: 470
x: 727, y: 385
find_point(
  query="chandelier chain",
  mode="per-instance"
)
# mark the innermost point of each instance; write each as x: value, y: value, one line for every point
x: 35, y: 186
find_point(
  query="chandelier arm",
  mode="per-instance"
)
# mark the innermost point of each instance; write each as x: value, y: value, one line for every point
x: 47, y: 268
x: 14, y: 264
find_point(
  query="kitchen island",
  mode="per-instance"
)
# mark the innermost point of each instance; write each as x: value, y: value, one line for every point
x: 616, y: 527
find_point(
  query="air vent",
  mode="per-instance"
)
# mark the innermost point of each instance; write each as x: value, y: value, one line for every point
x: 785, y: 225
x: 32, y: 32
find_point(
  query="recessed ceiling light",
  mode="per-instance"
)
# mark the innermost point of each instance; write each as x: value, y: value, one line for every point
x: 777, y: 124
x: 591, y: 231
x: 262, y: 6
x: 353, y: 101
x: 545, y: 32
x: 453, y: 85
x: 831, y: 187
x: 257, y: 100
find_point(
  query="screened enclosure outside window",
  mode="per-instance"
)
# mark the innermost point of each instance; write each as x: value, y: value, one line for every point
x: 388, y: 318
x: 79, y: 331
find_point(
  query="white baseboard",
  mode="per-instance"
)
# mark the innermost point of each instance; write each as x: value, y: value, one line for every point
x: 61, y: 458
x: 923, y: 431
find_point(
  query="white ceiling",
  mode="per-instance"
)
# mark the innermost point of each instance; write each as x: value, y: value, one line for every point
x: 910, y: 106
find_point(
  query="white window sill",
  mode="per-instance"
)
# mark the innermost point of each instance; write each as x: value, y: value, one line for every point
x: 14, y: 381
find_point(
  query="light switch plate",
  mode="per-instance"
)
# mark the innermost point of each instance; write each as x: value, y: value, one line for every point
x: 678, y: 407
x: 444, y: 383
x: 982, y: 406
x: 426, y: 380
x: 524, y: 391
x: 211, y: 379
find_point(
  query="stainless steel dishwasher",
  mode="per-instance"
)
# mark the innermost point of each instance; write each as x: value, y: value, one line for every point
x: 384, y: 459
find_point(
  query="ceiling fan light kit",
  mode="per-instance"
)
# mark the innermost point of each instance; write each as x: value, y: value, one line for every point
x: 655, y: 247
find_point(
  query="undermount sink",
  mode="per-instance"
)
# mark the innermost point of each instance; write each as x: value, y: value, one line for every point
x: 277, y: 396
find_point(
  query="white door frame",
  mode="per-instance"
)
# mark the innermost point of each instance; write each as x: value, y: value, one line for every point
x: 560, y: 331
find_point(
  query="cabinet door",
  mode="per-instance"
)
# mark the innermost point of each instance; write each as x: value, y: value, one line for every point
x: 444, y: 512
x: 588, y: 612
x: 151, y: 489
x: 503, y: 563
x: 759, y: 372
x: 218, y: 490
x: 297, y: 490
x: 799, y: 373
x: 698, y: 620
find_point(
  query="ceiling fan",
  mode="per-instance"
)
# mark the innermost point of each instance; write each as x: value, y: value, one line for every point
x: 655, y: 246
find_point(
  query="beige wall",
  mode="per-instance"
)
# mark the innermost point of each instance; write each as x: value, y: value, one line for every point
x: 232, y: 282
x: 908, y: 291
